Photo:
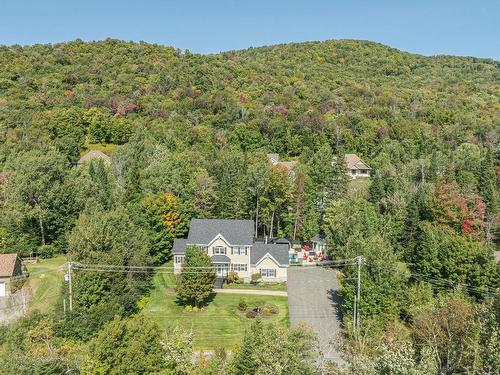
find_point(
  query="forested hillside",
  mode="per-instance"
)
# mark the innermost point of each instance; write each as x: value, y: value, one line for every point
x: 188, y: 135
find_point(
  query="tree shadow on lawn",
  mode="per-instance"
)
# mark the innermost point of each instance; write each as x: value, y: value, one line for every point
x: 181, y: 303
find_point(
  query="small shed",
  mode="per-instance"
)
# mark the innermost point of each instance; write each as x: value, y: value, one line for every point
x: 10, y: 267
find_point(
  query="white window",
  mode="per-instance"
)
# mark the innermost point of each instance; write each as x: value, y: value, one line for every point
x: 179, y: 259
x: 268, y: 272
x: 219, y: 250
x: 239, y: 250
x: 239, y: 267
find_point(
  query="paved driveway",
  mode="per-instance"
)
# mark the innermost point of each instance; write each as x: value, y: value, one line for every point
x: 313, y: 299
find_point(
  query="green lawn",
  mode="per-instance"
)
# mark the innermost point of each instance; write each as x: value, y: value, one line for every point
x: 219, y: 325
x: 45, y: 281
x: 107, y: 148
x: 268, y: 286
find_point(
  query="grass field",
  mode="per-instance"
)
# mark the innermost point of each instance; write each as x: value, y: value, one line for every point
x: 219, y: 325
x: 276, y: 287
x: 45, y: 280
x: 108, y: 148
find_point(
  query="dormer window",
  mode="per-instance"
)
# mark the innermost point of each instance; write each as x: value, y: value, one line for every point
x: 219, y: 250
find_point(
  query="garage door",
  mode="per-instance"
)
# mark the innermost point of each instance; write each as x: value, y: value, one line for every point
x: 3, y: 291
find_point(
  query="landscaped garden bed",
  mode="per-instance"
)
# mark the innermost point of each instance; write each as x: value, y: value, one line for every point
x: 234, y: 282
x: 259, y: 310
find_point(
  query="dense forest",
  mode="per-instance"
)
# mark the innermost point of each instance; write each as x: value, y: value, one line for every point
x: 188, y: 136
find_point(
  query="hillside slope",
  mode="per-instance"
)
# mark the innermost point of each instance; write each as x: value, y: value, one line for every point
x: 286, y: 95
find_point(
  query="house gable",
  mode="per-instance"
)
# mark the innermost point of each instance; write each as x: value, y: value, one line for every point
x: 265, y: 257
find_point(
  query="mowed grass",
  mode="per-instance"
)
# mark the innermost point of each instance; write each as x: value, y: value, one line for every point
x: 219, y: 325
x: 270, y: 286
x: 107, y: 148
x: 45, y: 280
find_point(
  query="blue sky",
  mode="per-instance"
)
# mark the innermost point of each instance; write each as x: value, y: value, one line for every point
x: 457, y: 27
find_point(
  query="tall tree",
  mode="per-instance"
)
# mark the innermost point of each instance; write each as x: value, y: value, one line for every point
x: 34, y: 185
x: 329, y: 176
x: 196, y: 280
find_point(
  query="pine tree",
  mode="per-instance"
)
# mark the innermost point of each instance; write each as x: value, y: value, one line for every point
x: 197, y: 278
x: 245, y: 362
x: 487, y: 184
x: 329, y: 176
x: 376, y: 189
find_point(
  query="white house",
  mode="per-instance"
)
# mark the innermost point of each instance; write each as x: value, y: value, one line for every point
x: 231, y: 245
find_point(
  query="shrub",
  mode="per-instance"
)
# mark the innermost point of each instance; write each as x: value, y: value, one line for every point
x: 46, y: 251
x: 242, y: 305
x: 266, y: 311
x: 251, y: 314
x: 272, y: 309
x: 196, y: 309
x: 255, y: 277
x: 262, y: 283
x: 188, y: 308
x: 232, y: 277
x: 239, y: 281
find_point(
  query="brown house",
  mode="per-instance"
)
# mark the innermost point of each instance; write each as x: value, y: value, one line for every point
x: 10, y: 267
x: 356, y: 167
x: 288, y: 165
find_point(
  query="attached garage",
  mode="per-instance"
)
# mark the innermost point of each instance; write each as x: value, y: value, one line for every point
x: 3, y: 289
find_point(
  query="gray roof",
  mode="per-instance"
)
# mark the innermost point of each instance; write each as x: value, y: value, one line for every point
x: 277, y: 251
x: 220, y: 258
x: 236, y: 232
x: 179, y: 246
x: 318, y: 238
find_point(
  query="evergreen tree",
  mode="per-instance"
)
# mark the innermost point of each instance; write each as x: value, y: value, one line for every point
x: 487, y: 183
x: 376, y: 189
x: 329, y: 175
x: 197, y: 278
x: 245, y: 361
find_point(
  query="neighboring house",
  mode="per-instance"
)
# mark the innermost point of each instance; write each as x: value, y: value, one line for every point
x: 288, y: 165
x: 232, y: 247
x: 497, y: 256
x: 10, y: 267
x: 318, y: 244
x: 94, y: 154
x: 356, y: 167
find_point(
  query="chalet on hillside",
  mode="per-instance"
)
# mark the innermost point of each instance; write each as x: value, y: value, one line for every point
x: 10, y: 267
x: 356, y: 168
x: 288, y: 165
x: 94, y: 154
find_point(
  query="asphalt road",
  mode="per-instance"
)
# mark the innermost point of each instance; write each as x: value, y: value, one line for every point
x: 313, y: 299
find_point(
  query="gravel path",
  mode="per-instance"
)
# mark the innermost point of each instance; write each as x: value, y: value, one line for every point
x: 313, y: 299
x: 252, y: 291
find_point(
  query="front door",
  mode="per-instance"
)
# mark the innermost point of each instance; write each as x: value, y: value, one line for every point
x: 221, y: 269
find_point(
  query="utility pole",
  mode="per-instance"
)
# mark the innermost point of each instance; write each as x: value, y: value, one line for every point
x: 358, y: 295
x: 70, y: 287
